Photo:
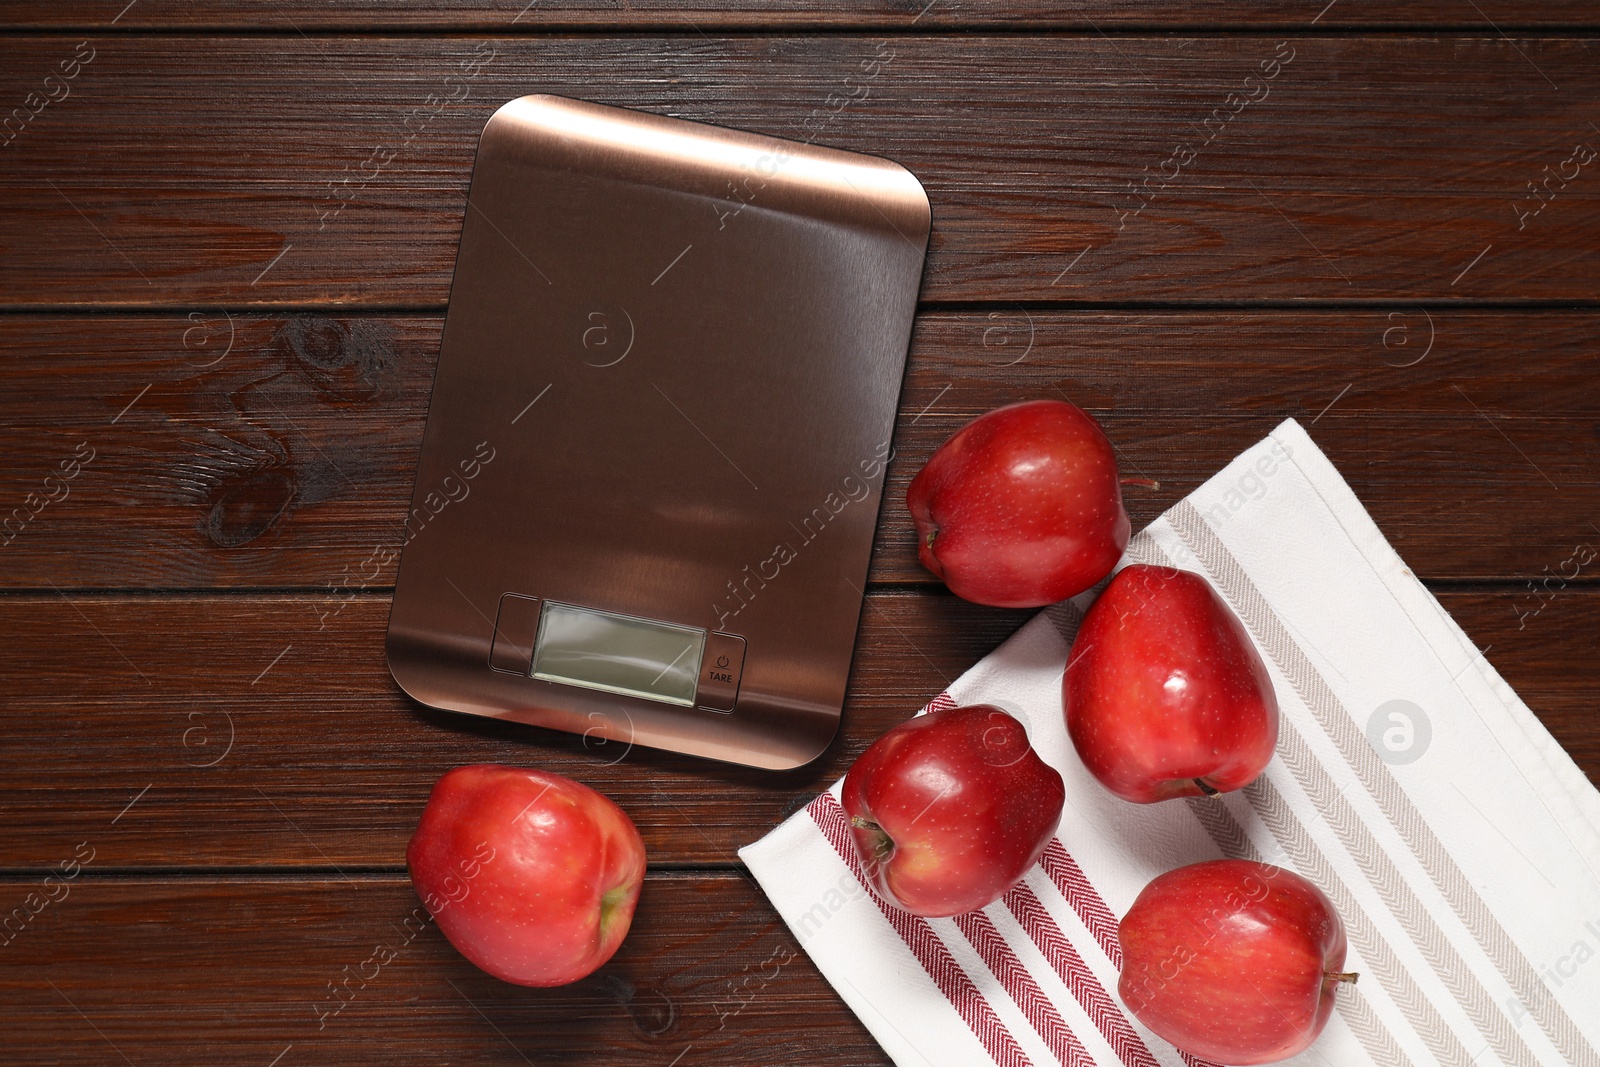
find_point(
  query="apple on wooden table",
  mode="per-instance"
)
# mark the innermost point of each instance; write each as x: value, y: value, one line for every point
x: 1164, y: 694
x: 1233, y: 961
x: 530, y: 875
x: 1022, y: 507
x: 950, y: 809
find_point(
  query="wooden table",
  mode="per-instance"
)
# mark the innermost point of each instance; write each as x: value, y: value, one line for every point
x: 225, y: 250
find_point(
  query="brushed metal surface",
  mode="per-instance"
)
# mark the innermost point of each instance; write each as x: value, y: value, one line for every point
x: 666, y: 388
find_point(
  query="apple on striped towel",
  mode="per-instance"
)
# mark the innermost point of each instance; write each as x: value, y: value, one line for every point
x: 949, y: 810
x: 1233, y: 961
x: 1164, y: 695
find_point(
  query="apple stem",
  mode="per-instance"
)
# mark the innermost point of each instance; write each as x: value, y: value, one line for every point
x: 1342, y: 976
x: 1142, y: 483
x: 1207, y: 788
x: 864, y: 824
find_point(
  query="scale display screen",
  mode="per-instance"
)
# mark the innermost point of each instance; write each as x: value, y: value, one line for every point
x: 618, y: 653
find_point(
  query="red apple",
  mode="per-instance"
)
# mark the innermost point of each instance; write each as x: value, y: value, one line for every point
x: 531, y: 876
x: 1164, y: 694
x: 950, y: 809
x: 1232, y: 961
x: 1022, y: 507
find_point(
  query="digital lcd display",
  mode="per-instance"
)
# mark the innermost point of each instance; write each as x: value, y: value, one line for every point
x: 618, y: 653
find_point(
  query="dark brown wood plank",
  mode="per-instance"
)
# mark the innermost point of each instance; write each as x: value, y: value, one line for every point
x: 285, y: 169
x: 1439, y: 420
x: 203, y: 972
x: 329, y: 762
x: 117, y: 699
x: 286, y: 459
x: 507, y: 17
x: 214, y: 432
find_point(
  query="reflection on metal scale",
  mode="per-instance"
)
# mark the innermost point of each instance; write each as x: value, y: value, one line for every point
x: 660, y: 422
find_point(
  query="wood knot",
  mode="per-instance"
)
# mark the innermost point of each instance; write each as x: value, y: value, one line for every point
x: 246, y: 505
x: 651, y: 1010
x: 345, y: 360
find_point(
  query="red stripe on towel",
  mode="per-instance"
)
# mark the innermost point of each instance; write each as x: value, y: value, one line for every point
x: 1092, y: 911
x: 925, y: 945
x: 1083, y: 899
x: 1019, y: 983
x: 1042, y: 929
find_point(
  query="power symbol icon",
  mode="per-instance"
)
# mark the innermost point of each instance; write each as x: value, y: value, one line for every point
x: 722, y: 661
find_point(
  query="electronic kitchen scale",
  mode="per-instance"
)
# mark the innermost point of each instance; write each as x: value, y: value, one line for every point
x: 651, y: 473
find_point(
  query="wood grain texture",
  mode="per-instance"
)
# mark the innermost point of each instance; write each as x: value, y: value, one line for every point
x: 210, y: 286
x: 199, y: 170
x: 278, y: 451
x: 330, y: 764
x: 516, y: 16
x: 204, y: 972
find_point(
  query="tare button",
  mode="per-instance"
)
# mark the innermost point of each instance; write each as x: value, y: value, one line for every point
x: 720, y: 668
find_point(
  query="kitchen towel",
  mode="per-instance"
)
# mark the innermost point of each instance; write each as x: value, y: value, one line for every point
x: 1458, y: 841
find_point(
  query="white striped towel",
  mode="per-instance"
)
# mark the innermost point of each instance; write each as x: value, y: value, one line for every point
x: 1460, y: 844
